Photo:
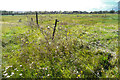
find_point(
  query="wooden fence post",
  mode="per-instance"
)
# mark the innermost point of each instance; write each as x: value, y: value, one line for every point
x: 32, y: 19
x: 36, y: 18
x: 54, y: 28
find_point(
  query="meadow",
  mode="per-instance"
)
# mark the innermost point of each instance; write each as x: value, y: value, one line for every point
x: 84, y: 46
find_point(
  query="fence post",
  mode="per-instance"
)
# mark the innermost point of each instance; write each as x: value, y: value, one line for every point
x: 36, y: 18
x: 54, y: 28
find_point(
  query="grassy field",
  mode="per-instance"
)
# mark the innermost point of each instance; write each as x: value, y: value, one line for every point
x: 84, y: 46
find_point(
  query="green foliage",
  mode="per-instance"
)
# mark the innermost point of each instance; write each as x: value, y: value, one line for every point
x: 80, y: 49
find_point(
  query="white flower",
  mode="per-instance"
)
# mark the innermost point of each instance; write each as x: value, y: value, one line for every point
x: 98, y: 73
x: 45, y: 31
x: 15, y: 69
x: 106, y: 76
x: 77, y: 71
x: 39, y: 38
x: 20, y: 65
x: 8, y: 76
x: 4, y: 72
x: 20, y: 74
x: 21, y: 53
x: 7, y: 67
x: 48, y: 75
x: 49, y: 42
x: 10, y: 66
x: 48, y: 27
x: 45, y: 68
x: 12, y: 73
x: 115, y: 57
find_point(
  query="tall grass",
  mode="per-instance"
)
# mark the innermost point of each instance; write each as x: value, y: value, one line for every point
x: 30, y: 52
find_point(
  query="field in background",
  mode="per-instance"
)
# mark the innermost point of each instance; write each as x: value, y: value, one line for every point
x: 84, y: 46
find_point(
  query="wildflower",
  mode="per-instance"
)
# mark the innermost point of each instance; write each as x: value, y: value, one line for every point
x: 59, y: 28
x: 81, y: 72
x: 45, y: 68
x: 65, y: 47
x: 7, y: 67
x: 4, y: 72
x: 20, y: 65
x: 80, y: 37
x: 77, y: 71
x: 10, y: 66
x: 98, y: 73
x: 27, y: 42
x: 39, y: 38
x: 115, y: 57
x: 12, y: 73
x: 45, y: 31
x: 48, y: 27
x: 68, y: 33
x: 20, y: 74
x: 56, y: 51
x: 49, y: 42
x: 8, y: 76
x: 78, y: 75
x: 21, y: 53
x: 48, y: 75
x: 22, y: 39
x: 74, y: 70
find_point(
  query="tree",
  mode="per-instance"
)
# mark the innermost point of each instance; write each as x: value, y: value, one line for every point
x: 112, y: 11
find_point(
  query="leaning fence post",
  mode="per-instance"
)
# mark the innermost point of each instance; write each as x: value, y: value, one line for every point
x: 54, y: 28
x: 36, y: 18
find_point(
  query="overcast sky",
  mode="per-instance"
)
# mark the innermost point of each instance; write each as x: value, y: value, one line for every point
x: 56, y: 5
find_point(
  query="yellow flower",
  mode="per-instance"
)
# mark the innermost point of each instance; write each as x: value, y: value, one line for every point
x: 26, y: 42
x: 78, y: 75
x: 80, y: 37
x: 22, y: 38
x: 68, y: 33
x: 35, y: 73
x: 81, y: 72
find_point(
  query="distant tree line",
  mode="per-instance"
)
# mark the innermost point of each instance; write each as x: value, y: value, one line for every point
x: 57, y: 12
